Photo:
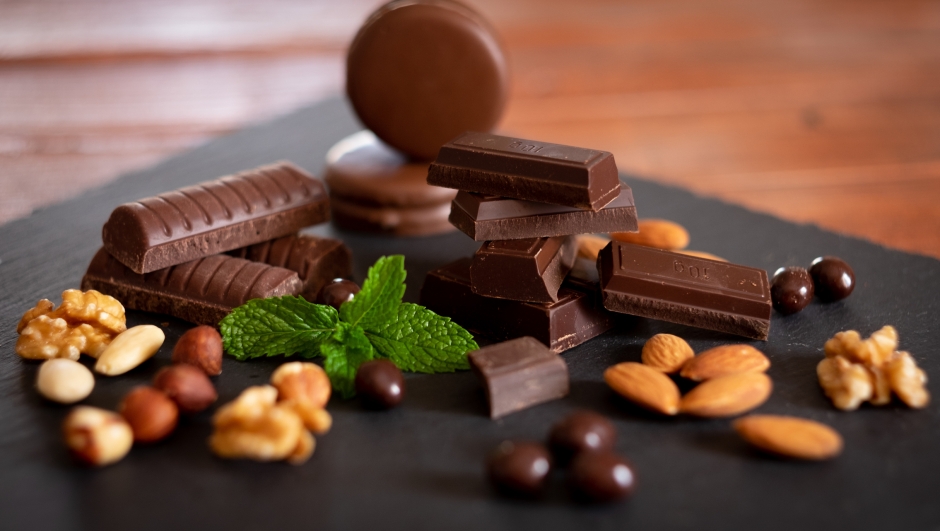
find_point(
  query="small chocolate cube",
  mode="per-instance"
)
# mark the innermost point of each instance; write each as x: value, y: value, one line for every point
x: 519, y: 373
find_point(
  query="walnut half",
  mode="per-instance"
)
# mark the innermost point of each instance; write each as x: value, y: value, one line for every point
x: 254, y: 426
x: 85, y: 322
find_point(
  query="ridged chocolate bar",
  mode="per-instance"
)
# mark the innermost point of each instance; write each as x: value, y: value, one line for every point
x: 201, y: 291
x: 528, y: 270
x: 214, y: 217
x: 489, y: 217
x: 526, y: 169
x: 316, y: 260
x: 577, y: 316
x: 683, y: 289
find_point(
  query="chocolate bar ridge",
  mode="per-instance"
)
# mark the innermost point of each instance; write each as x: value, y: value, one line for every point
x: 489, y: 217
x: 687, y: 290
x: 201, y: 291
x: 215, y: 216
x: 316, y: 260
x: 525, y: 169
x: 577, y: 316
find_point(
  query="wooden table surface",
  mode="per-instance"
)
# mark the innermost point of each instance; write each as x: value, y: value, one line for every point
x: 815, y: 111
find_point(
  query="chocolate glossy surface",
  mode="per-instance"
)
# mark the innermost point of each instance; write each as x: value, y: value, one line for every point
x: 684, y: 289
x: 519, y: 468
x: 581, y: 431
x: 791, y: 289
x: 601, y: 477
x: 336, y: 292
x: 833, y: 278
x: 527, y: 169
x: 528, y: 270
x: 380, y: 384
x: 419, y: 73
x: 577, y: 316
x: 201, y: 291
x: 214, y: 217
x: 490, y: 217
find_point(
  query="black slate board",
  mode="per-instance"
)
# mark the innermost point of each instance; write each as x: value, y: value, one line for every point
x: 420, y: 466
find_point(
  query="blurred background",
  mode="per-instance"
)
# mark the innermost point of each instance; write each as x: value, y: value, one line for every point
x: 815, y: 111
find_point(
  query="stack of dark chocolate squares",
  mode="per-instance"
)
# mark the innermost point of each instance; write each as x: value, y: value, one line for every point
x: 198, y: 252
x: 526, y: 200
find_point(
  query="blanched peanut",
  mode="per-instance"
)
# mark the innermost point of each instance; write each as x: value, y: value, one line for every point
x: 65, y: 381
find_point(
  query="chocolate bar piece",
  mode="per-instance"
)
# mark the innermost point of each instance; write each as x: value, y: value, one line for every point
x: 519, y: 374
x: 577, y: 316
x: 201, y: 291
x: 683, y: 289
x: 214, y: 217
x: 529, y: 270
x: 316, y: 260
x: 489, y: 217
x: 525, y: 169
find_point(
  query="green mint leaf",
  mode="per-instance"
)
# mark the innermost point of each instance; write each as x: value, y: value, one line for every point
x: 279, y: 325
x: 380, y: 296
x: 345, y: 351
x: 418, y: 340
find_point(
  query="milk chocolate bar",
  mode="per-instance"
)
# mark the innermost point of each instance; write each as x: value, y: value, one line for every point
x: 528, y: 270
x: 214, y: 217
x: 489, y: 217
x: 316, y: 260
x: 525, y: 169
x: 577, y: 316
x: 519, y: 374
x: 683, y: 289
x: 201, y: 291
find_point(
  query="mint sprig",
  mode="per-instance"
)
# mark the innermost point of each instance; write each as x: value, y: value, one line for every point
x: 375, y: 323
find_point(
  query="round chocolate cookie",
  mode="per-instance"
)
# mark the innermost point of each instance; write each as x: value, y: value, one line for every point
x: 419, y: 73
x: 361, y: 169
x: 396, y: 221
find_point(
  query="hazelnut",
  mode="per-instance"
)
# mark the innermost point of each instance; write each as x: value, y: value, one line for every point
x: 65, y: 381
x: 96, y: 436
x: 150, y: 413
x: 202, y: 347
x: 303, y: 382
x: 186, y: 385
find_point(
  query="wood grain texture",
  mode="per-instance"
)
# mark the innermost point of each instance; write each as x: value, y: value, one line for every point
x: 820, y: 112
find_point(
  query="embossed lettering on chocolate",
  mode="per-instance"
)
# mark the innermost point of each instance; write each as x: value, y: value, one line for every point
x: 214, y: 217
x: 490, y: 217
x: 529, y: 270
x: 526, y: 169
x: 201, y: 291
x: 682, y: 289
x: 316, y: 260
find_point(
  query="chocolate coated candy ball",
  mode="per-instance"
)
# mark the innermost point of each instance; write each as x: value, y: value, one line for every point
x: 338, y: 291
x: 380, y: 384
x: 791, y: 289
x: 601, y: 477
x: 519, y: 468
x: 833, y: 278
x: 581, y: 431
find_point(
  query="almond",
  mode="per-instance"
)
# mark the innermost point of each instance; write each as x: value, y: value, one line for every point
x: 644, y: 386
x: 727, y: 396
x: 790, y: 436
x: 667, y: 353
x: 658, y: 233
x: 725, y: 360
x: 589, y: 245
